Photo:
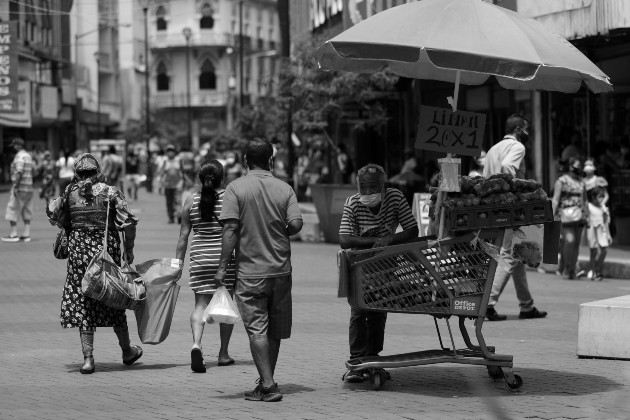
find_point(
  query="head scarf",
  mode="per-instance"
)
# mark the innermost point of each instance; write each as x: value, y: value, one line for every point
x: 87, y: 162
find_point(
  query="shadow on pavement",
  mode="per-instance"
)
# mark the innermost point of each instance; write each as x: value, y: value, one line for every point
x: 285, y: 389
x: 115, y: 367
x: 449, y: 381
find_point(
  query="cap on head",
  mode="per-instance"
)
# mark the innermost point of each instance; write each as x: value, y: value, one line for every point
x: 17, y: 141
x: 370, y: 172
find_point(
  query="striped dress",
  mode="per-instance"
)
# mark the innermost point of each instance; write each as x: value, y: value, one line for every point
x: 205, y: 250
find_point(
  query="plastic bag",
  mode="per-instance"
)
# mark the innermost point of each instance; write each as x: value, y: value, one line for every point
x: 527, y: 245
x: 221, y: 309
x: 155, y: 316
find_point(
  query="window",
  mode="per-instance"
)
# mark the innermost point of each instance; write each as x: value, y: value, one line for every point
x: 207, y: 78
x: 160, y: 22
x: 163, y: 80
x: 207, y: 20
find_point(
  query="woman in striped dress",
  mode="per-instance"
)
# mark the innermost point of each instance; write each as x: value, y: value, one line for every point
x: 201, y: 215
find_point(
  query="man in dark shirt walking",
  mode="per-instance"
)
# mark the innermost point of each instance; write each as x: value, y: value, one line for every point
x: 259, y: 214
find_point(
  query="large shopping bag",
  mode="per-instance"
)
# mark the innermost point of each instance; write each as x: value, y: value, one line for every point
x: 155, y: 316
x: 537, y: 243
x: 221, y: 309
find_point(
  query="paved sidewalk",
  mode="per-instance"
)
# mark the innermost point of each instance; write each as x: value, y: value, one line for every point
x: 39, y: 361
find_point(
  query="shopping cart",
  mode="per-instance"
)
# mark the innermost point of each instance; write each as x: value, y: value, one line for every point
x: 452, y: 277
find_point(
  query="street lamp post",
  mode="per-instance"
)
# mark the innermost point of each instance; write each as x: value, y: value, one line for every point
x: 187, y: 34
x: 240, y: 55
x: 147, y: 120
x: 97, y: 56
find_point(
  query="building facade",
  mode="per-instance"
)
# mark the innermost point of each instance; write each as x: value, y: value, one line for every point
x: 200, y: 71
x: 38, y: 43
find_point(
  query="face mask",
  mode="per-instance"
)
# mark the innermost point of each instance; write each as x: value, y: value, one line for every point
x: 524, y: 137
x: 576, y: 171
x: 230, y: 161
x: 370, y: 200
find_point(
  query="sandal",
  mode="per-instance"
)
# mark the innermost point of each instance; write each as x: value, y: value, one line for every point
x: 196, y: 361
x: 88, y: 366
x: 225, y: 360
x: 138, y: 355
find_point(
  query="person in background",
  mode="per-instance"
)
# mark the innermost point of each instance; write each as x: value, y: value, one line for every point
x: 171, y: 180
x: 598, y: 232
x: 478, y: 164
x: 113, y: 167
x: 259, y: 214
x: 65, y: 168
x: 344, y: 164
x: 132, y: 176
x: 507, y: 157
x: 574, y: 148
x: 233, y: 168
x: 20, y: 205
x: 47, y: 171
x: 370, y: 219
x: 201, y: 215
x: 592, y: 181
x: 570, y: 203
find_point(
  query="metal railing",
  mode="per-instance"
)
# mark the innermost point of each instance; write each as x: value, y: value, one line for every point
x: 202, y: 37
x: 197, y: 99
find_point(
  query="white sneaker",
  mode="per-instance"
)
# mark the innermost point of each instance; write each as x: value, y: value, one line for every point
x: 10, y: 239
x: 25, y: 238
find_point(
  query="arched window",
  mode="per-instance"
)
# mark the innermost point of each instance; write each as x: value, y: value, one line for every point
x: 207, y: 78
x: 206, y: 21
x: 160, y: 22
x: 163, y: 79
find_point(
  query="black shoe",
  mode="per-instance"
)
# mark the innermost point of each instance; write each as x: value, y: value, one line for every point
x: 260, y: 393
x: 353, y: 376
x: 250, y: 394
x: 493, y: 315
x: 196, y: 361
x: 131, y: 360
x: 534, y: 313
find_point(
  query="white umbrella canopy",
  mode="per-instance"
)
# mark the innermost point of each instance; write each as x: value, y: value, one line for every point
x: 436, y: 39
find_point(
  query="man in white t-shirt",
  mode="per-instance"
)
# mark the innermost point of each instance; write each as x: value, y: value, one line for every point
x: 507, y: 157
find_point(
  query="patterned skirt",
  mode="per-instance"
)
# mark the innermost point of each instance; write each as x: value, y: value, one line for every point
x: 76, y: 309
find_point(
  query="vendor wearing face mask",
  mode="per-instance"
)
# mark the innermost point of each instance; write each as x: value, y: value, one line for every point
x: 370, y: 219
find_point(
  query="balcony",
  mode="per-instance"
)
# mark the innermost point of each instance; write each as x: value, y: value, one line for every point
x: 200, y: 38
x: 197, y: 99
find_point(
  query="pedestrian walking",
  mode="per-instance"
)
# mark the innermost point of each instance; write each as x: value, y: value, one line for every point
x: 592, y: 181
x: 82, y: 211
x: 370, y: 219
x: 47, y: 171
x: 570, y: 204
x: 132, y: 174
x: 201, y: 215
x: 113, y: 168
x: 65, y: 168
x: 20, y: 205
x: 171, y: 182
x: 598, y: 232
x: 233, y: 168
x: 259, y: 215
x: 507, y: 157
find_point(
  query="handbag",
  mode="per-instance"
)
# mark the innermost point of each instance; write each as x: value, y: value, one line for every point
x: 116, y: 287
x: 571, y: 214
x: 60, y: 247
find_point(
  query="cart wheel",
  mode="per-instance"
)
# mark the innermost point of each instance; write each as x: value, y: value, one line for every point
x: 378, y: 379
x: 495, y: 372
x: 518, y: 382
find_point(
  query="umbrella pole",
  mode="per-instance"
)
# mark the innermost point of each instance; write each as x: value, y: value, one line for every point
x: 442, y: 194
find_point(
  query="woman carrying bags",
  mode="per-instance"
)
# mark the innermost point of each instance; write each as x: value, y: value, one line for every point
x: 201, y: 215
x: 571, y: 206
x: 82, y: 211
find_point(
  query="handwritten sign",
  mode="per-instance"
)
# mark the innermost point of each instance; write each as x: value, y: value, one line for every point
x: 442, y: 130
x: 8, y: 67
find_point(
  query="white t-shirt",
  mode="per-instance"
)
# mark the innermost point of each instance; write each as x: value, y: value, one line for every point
x: 506, y: 157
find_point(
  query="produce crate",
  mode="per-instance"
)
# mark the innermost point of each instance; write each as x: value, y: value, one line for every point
x: 421, y: 277
x: 504, y: 215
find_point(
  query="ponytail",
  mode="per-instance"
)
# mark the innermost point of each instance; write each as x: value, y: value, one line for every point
x: 211, y: 177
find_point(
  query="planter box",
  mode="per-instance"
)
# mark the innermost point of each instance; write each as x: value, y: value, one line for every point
x: 329, y: 200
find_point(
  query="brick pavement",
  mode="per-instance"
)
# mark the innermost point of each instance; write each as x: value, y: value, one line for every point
x: 39, y: 361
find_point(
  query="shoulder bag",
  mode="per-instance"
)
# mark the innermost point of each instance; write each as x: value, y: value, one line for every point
x: 60, y: 246
x: 114, y: 286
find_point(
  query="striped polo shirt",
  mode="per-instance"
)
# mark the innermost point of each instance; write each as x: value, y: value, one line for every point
x: 23, y: 163
x: 358, y: 220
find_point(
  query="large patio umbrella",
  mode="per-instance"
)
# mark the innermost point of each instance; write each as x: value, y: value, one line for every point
x: 463, y: 41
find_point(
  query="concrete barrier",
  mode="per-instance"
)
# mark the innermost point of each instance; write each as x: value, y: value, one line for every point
x: 603, y: 328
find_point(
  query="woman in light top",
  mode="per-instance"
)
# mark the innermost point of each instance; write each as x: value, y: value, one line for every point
x: 201, y: 215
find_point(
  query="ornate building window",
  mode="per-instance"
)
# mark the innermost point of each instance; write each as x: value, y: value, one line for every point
x: 160, y: 21
x: 207, y: 77
x: 163, y: 79
x: 207, y: 19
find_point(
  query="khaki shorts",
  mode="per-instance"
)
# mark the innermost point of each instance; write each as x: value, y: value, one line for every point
x: 20, y: 205
x: 265, y: 306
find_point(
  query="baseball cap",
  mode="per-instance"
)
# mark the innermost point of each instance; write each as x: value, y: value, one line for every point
x: 17, y: 142
x: 171, y: 147
x: 589, y: 166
